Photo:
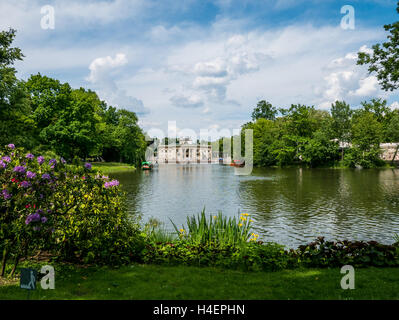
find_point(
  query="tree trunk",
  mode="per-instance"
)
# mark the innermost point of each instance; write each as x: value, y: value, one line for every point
x: 15, y: 266
x: 394, y: 156
x: 4, y: 262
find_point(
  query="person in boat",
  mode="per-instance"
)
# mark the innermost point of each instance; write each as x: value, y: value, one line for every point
x: 146, y: 165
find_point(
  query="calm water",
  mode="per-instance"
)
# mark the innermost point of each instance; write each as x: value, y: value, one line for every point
x: 289, y: 206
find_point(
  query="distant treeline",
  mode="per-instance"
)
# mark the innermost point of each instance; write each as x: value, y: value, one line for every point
x: 44, y: 115
x: 304, y: 135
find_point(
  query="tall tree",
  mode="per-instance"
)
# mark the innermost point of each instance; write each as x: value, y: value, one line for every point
x: 66, y: 119
x: 384, y: 59
x: 15, y: 125
x: 264, y: 110
x: 367, y: 135
x: 392, y: 132
x: 341, y: 122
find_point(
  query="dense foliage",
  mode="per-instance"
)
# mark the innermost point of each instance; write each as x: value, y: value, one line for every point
x: 303, y: 135
x: 196, y: 246
x: 74, y: 213
x: 321, y: 253
x: 384, y: 58
x: 45, y: 115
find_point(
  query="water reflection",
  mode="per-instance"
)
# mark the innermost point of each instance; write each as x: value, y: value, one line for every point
x: 290, y: 206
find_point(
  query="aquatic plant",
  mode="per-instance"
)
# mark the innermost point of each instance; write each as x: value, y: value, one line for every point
x: 217, y: 229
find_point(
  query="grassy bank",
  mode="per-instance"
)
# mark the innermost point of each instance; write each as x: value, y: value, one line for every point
x: 181, y: 282
x: 112, y: 167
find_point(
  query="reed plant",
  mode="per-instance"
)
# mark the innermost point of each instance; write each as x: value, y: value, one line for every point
x: 157, y: 233
x: 217, y: 229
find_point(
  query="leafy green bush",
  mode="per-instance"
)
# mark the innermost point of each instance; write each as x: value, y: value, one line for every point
x: 321, y: 253
x: 73, y: 212
x: 250, y: 256
x: 217, y: 241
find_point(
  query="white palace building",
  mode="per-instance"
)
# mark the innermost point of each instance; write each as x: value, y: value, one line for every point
x: 184, y: 152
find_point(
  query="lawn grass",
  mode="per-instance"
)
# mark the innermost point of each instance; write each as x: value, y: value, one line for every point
x: 112, y: 167
x: 147, y: 282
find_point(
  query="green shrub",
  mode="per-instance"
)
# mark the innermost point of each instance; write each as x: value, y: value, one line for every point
x: 250, y: 256
x: 321, y: 253
x: 72, y: 212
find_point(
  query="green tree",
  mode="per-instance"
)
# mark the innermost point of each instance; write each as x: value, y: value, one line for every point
x: 320, y: 150
x: 367, y: 133
x: 66, y: 119
x: 264, y: 134
x: 264, y: 110
x: 384, y: 60
x: 15, y: 125
x: 392, y: 131
x: 341, y: 122
x: 302, y: 120
x: 123, y: 139
x: 382, y: 113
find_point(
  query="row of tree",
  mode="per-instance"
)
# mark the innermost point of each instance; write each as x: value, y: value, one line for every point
x: 305, y: 135
x: 42, y: 114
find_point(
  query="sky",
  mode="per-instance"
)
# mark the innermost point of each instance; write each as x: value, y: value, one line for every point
x: 203, y: 65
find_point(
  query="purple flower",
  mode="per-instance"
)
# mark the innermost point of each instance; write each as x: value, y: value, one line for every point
x: 31, y: 175
x: 88, y: 166
x: 11, y: 146
x: 3, y: 164
x: 7, y: 159
x: 52, y: 163
x: 63, y: 160
x: 113, y: 183
x: 40, y: 160
x: 30, y: 156
x: 44, y: 219
x: 25, y: 184
x: 32, y: 218
x: 6, y: 194
x: 20, y: 169
x: 46, y: 176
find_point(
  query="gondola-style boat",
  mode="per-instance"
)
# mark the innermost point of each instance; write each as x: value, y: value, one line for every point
x: 238, y: 163
x: 146, y: 165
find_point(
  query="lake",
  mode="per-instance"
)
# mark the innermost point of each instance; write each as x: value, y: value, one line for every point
x: 288, y: 206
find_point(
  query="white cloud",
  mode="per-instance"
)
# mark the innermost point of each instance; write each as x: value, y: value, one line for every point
x: 206, y: 110
x: 224, y: 67
x: 101, y: 74
x: 100, y: 67
x: 367, y: 87
x: 193, y: 101
x: 345, y: 80
x: 212, y: 77
x: 394, y: 105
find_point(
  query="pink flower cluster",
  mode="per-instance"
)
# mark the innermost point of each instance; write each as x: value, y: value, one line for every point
x: 110, y: 184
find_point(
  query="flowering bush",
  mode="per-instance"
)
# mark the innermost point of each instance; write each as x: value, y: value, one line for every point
x: 74, y: 212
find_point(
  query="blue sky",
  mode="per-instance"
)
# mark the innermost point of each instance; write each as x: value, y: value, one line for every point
x: 203, y: 64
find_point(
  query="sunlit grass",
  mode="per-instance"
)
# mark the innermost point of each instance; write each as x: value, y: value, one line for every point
x: 182, y: 282
x: 112, y: 167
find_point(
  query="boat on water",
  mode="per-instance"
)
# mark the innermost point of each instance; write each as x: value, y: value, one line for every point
x: 146, y: 165
x: 238, y: 163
